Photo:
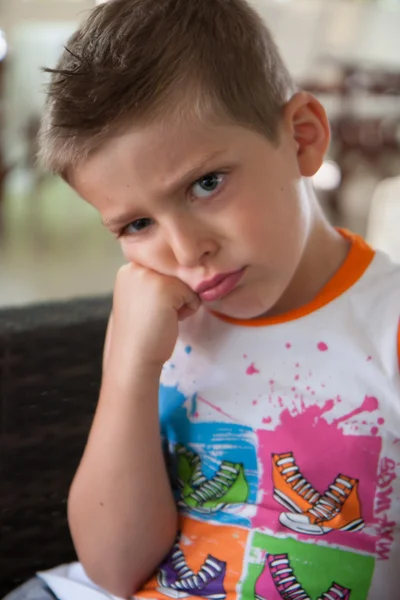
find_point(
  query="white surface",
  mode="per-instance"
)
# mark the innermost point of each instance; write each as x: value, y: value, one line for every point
x: 70, y: 582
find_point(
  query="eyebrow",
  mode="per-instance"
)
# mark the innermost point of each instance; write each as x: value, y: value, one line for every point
x: 189, y: 176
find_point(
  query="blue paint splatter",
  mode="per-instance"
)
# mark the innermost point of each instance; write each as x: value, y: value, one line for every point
x: 188, y: 349
x: 214, y: 442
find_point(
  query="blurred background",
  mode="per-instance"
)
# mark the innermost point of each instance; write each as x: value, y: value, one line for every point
x: 347, y: 52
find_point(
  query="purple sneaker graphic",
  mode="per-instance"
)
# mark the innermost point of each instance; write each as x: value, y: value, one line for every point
x: 207, y: 583
x: 173, y: 568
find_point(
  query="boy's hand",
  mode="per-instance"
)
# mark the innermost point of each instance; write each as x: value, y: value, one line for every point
x: 143, y: 328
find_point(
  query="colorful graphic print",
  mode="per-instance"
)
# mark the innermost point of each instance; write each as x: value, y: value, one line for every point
x: 304, y: 473
x: 311, y: 513
x: 212, y: 465
x: 228, y: 486
x: 175, y: 577
x: 329, y: 492
x: 205, y: 562
x: 287, y: 569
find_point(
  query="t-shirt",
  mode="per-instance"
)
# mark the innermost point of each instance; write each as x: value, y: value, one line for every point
x: 282, y: 437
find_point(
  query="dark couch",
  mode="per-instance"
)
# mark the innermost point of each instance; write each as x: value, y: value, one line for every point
x: 50, y: 367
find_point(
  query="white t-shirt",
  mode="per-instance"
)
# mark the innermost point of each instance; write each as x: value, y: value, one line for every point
x: 282, y: 438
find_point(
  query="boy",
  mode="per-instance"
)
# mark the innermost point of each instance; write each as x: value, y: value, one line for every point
x: 260, y: 340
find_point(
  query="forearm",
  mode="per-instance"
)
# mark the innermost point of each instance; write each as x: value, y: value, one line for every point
x: 122, y: 514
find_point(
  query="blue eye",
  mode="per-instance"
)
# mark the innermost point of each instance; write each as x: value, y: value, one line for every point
x: 207, y: 185
x: 138, y: 225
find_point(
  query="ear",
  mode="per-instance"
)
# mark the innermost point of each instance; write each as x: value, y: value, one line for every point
x: 305, y: 118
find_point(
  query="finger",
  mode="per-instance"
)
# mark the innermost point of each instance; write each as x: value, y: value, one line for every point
x: 189, y: 307
x: 194, y: 302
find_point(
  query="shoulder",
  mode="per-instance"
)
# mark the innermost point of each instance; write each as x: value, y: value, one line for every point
x: 378, y: 289
x: 374, y: 303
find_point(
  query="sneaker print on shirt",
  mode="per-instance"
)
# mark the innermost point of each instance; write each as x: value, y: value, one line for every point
x: 227, y: 486
x: 176, y: 580
x: 291, y: 489
x: 338, y: 509
x: 278, y: 574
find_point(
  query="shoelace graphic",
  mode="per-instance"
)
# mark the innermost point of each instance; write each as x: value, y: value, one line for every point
x: 296, y: 480
x: 197, y: 478
x: 283, y: 576
x: 336, y: 592
x: 179, y: 563
x: 330, y: 504
x: 218, y: 485
x: 288, y: 586
x: 209, y: 571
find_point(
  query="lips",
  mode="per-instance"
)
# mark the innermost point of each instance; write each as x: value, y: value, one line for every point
x: 219, y: 286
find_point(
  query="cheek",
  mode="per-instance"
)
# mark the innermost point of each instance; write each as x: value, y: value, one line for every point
x: 150, y: 254
x: 273, y: 230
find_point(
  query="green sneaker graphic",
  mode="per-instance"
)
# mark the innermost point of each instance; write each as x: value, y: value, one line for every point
x: 189, y: 470
x: 228, y: 486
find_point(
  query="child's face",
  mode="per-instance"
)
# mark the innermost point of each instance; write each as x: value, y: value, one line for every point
x: 193, y: 202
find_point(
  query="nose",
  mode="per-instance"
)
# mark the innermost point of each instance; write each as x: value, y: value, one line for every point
x: 191, y: 242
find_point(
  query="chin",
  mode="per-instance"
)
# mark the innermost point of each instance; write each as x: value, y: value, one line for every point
x: 241, y: 311
x: 241, y: 314
x: 245, y: 304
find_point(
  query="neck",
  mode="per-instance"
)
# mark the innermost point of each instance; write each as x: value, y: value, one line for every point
x: 324, y: 253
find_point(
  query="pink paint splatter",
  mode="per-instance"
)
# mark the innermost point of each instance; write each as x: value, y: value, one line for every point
x: 196, y: 415
x: 322, y: 347
x: 280, y: 401
x: 217, y: 409
x: 369, y: 358
x: 329, y: 404
x: 251, y: 370
x: 370, y: 404
x: 272, y: 382
x: 293, y: 389
x: 267, y: 420
x: 245, y: 356
x: 381, y: 421
x: 255, y: 402
x: 288, y: 345
x: 297, y: 378
x: 374, y: 431
x: 323, y: 385
x: 311, y: 438
x: 297, y: 365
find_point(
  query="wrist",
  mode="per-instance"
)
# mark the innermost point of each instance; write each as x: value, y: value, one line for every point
x: 126, y: 376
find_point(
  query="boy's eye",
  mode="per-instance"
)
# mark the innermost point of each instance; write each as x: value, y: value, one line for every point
x: 137, y: 226
x: 206, y: 185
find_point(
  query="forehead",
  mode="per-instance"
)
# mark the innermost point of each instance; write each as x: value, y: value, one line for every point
x: 155, y: 155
